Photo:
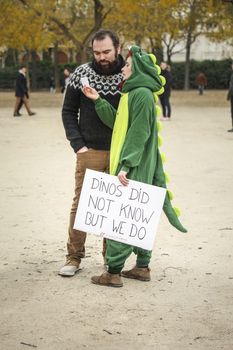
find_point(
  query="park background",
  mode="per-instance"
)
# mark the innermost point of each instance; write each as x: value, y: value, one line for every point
x: 46, y: 35
x: 188, y: 303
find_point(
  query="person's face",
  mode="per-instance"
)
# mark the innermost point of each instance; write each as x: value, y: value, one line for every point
x: 127, y: 69
x: 24, y: 70
x: 66, y: 72
x: 163, y: 65
x: 104, y: 52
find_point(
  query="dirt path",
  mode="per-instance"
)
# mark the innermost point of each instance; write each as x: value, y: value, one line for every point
x: 188, y: 303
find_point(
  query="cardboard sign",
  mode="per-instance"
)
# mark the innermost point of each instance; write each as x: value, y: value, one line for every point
x: 128, y: 214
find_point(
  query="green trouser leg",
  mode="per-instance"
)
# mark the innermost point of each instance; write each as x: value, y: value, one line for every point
x: 143, y: 256
x: 117, y: 253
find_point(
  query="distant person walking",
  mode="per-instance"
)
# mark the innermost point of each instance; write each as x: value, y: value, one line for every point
x: 230, y: 97
x: 165, y: 97
x: 21, y: 93
x: 52, y: 85
x: 201, y: 81
x: 67, y: 75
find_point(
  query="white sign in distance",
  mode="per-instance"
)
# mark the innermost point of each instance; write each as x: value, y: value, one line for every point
x: 128, y: 214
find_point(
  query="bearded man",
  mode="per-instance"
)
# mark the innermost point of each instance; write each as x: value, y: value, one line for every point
x: 88, y: 136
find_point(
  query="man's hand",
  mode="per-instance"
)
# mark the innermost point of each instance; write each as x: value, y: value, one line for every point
x: 82, y: 150
x: 90, y: 93
x: 122, y: 178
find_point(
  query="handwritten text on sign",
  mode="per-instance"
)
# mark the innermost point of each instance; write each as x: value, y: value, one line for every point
x: 126, y: 214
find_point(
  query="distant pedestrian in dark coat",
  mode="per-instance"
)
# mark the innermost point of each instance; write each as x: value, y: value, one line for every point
x: 165, y: 97
x: 201, y: 81
x: 21, y: 93
x: 230, y: 97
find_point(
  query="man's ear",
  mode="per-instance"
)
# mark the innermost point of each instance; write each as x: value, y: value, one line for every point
x: 119, y: 49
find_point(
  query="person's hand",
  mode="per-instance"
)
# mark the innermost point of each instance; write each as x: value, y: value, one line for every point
x: 82, y: 150
x: 90, y: 93
x: 122, y: 178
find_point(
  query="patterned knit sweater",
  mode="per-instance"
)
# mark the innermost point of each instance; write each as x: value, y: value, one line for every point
x: 81, y: 122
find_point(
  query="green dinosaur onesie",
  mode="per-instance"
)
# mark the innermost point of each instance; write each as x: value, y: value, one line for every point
x: 135, y: 143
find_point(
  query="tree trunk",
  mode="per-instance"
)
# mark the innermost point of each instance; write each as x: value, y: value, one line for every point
x: 169, y: 57
x: 98, y: 13
x: 27, y: 65
x: 3, y: 60
x: 99, y: 17
x: 158, y: 52
x: 56, y: 67
x: 16, y: 57
x: 157, y: 49
x: 83, y: 56
x: 34, y: 70
x: 138, y: 40
x: 71, y: 55
x: 187, y: 62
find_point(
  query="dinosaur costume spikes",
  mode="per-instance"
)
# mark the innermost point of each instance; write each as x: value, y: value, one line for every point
x: 160, y: 180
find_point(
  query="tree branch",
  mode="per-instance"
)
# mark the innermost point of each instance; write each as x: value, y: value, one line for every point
x: 65, y: 30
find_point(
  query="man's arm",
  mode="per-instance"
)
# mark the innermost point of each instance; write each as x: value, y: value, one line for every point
x: 70, y: 111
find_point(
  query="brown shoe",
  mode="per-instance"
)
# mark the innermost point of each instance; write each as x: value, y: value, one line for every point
x: 108, y: 279
x: 137, y: 273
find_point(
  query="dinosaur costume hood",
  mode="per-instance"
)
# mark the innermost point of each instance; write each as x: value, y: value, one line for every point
x: 145, y: 72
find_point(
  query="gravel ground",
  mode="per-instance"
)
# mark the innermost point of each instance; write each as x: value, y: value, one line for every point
x: 188, y: 303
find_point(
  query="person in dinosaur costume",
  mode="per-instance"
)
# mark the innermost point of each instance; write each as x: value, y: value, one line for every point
x: 134, y: 153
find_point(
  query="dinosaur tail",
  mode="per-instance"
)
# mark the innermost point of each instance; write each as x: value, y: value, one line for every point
x: 172, y: 215
x: 161, y: 179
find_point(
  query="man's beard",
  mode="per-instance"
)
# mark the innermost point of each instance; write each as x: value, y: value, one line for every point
x: 108, y: 67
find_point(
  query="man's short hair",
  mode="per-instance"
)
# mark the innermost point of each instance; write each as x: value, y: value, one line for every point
x: 103, y: 33
x: 23, y: 66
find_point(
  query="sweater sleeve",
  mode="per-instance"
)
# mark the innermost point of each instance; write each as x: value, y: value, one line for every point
x: 70, y: 112
x: 231, y: 85
x: 106, y: 112
x: 141, y: 113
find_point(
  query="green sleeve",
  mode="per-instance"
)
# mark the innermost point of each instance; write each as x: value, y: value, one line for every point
x: 141, y: 112
x: 106, y: 112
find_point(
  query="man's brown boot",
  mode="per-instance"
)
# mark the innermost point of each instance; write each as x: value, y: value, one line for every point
x: 108, y: 279
x: 137, y: 273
